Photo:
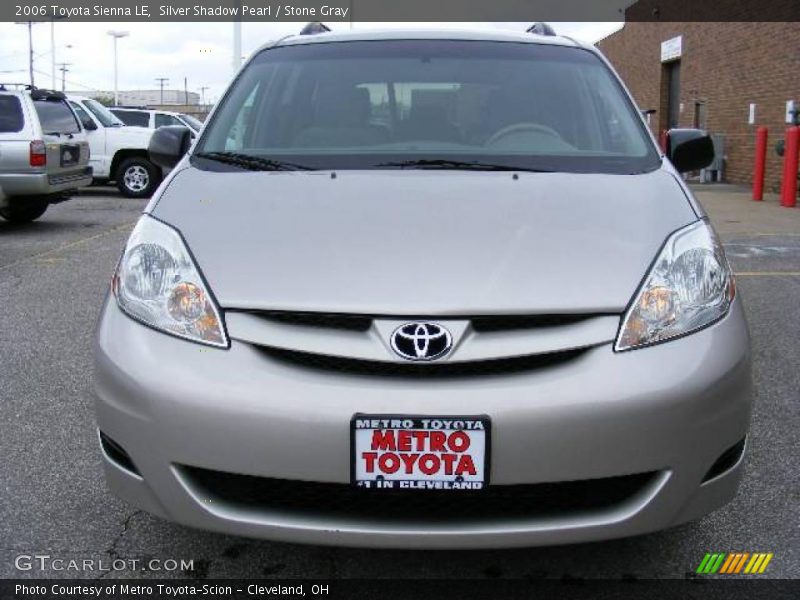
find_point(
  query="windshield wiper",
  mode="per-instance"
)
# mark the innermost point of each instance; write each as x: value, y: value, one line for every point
x: 252, y: 163
x: 456, y: 165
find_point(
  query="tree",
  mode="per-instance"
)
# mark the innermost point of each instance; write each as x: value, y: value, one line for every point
x: 105, y: 99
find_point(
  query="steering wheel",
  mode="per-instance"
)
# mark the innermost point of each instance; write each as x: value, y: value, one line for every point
x: 520, y: 128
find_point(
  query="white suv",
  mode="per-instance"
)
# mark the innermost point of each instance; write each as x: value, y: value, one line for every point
x: 153, y: 119
x: 119, y: 153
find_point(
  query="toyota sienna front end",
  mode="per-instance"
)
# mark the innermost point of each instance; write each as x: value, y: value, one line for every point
x: 424, y: 289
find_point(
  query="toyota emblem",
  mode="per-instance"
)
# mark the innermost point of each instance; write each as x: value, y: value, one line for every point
x: 421, y: 341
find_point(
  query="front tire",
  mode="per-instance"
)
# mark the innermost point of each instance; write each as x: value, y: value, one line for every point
x: 137, y: 177
x: 23, y: 213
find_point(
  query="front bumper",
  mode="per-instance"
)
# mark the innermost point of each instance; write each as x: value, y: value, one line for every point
x: 671, y: 409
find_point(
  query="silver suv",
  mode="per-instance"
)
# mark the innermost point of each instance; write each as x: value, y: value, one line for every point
x: 44, y: 154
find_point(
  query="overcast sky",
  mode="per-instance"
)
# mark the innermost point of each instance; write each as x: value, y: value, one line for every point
x: 201, y: 52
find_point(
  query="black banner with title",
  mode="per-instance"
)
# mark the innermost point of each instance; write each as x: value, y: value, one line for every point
x: 400, y: 10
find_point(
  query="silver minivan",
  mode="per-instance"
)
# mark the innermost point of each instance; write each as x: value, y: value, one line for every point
x: 434, y: 289
x: 44, y: 154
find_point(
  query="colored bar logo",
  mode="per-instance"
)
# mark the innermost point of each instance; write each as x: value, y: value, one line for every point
x: 734, y: 563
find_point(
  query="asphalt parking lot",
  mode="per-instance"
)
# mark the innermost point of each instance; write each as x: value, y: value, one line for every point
x: 53, y: 500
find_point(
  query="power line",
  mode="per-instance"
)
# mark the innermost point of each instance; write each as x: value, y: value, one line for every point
x: 72, y: 82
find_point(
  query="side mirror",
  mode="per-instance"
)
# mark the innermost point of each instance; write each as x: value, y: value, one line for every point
x: 89, y: 125
x: 689, y: 149
x: 168, y: 145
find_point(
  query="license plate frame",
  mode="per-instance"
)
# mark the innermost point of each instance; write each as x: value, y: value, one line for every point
x: 420, y: 481
x: 74, y: 151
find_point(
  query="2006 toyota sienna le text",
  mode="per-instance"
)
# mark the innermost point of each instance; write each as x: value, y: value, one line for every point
x: 424, y: 289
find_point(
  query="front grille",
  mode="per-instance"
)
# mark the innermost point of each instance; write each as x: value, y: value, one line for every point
x: 492, y: 323
x: 503, y: 502
x: 351, y: 322
x: 375, y: 368
x: 480, y: 323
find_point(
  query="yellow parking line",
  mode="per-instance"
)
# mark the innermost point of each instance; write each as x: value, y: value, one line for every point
x: 767, y: 274
x: 69, y: 246
x: 776, y: 234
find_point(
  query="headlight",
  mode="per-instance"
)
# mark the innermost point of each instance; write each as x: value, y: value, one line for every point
x: 689, y: 286
x: 157, y: 283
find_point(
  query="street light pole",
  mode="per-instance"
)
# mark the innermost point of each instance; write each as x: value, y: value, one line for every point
x: 237, y: 38
x: 116, y: 35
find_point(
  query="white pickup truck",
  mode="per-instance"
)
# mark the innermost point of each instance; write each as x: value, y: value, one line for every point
x: 119, y: 152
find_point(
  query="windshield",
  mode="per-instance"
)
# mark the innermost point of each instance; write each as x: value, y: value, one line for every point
x: 105, y: 116
x: 192, y: 122
x: 417, y: 103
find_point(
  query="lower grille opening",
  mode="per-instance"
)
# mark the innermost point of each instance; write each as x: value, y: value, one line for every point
x: 374, y: 368
x: 501, y: 502
x: 726, y: 460
x: 117, y: 454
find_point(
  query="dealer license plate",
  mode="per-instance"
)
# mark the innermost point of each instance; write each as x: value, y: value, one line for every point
x: 420, y: 452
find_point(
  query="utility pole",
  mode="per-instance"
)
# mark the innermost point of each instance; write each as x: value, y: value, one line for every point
x: 161, y: 81
x: 186, y: 91
x: 203, y: 94
x: 30, y: 49
x: 116, y: 35
x: 64, y: 70
x: 30, y: 25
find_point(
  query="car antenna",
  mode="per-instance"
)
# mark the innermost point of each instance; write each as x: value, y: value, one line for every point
x: 540, y: 28
x: 314, y: 27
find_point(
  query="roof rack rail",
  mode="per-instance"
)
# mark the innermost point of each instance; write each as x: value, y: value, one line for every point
x: 314, y: 27
x: 540, y: 28
x: 16, y: 84
x: 43, y: 94
x: 36, y: 93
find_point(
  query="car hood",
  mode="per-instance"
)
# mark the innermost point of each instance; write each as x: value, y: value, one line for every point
x: 416, y: 243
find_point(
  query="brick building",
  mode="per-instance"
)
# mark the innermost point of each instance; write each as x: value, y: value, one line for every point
x: 707, y: 75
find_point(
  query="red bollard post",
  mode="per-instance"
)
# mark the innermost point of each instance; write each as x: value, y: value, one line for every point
x: 760, y: 164
x: 662, y: 140
x: 791, y: 162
